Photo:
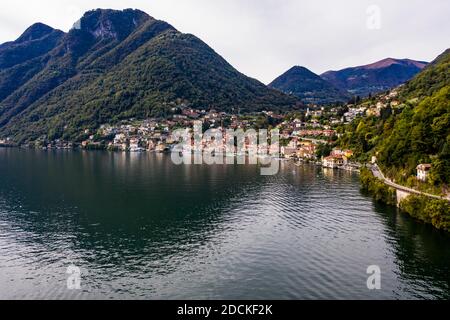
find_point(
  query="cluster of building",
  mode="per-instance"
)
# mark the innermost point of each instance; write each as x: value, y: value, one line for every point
x: 307, y: 150
x: 299, y: 149
x: 306, y: 129
x: 6, y: 142
x: 156, y: 134
x: 374, y: 109
x: 354, y: 112
x: 300, y: 136
x: 337, y: 158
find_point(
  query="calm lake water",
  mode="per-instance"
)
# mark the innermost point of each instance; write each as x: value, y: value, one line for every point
x: 140, y: 227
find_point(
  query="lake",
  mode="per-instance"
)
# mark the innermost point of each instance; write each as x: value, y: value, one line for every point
x: 139, y: 227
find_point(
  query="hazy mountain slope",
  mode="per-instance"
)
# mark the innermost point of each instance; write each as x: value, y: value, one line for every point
x: 309, y: 87
x: 376, y: 77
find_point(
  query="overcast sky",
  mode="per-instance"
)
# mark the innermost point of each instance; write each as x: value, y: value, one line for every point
x: 264, y: 38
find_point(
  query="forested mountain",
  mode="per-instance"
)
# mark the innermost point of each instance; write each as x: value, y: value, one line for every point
x: 376, y: 77
x: 309, y: 87
x: 114, y: 65
x: 22, y: 59
x: 418, y: 131
x: 431, y: 79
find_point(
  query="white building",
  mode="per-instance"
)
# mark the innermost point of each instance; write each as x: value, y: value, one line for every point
x: 333, y: 162
x: 422, y: 171
x: 134, y: 145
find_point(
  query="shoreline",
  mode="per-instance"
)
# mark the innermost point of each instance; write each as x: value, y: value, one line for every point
x: 353, y: 167
x: 434, y: 212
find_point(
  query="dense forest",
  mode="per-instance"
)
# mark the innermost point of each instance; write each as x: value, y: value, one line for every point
x: 115, y: 65
x: 418, y: 131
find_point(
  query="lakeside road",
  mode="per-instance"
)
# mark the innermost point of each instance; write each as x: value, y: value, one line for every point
x: 379, y: 174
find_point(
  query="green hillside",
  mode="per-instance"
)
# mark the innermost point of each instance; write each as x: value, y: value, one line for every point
x: 122, y: 64
x: 431, y: 79
x: 419, y: 132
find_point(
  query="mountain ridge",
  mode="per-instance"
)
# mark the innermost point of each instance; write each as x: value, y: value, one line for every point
x: 308, y: 86
x: 97, y: 73
x: 374, y: 77
x: 416, y: 131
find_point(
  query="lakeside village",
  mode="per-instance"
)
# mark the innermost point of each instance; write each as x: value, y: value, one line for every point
x: 304, y: 136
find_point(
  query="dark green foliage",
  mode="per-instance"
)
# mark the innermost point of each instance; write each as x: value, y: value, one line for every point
x: 323, y: 150
x: 36, y: 41
x: 433, y: 211
x: 379, y: 191
x: 363, y: 135
x: 418, y: 133
x: 22, y: 59
x: 123, y: 64
x: 433, y: 78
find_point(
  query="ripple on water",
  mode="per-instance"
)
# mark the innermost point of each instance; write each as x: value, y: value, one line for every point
x: 140, y: 227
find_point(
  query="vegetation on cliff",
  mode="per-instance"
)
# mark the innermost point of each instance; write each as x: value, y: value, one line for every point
x: 432, y: 211
x: 413, y: 132
x: 379, y: 191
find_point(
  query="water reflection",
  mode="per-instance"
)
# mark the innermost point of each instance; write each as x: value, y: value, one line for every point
x: 422, y: 253
x: 103, y: 198
x: 141, y: 227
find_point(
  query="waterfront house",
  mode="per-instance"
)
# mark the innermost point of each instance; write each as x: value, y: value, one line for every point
x: 422, y: 171
x: 288, y: 151
x: 337, y: 153
x: 119, y: 138
x: 307, y: 151
x: 151, y: 146
x: 134, y: 144
x: 333, y: 162
x: 162, y: 147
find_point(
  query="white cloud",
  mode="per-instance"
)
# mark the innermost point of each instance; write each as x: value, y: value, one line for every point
x: 263, y: 38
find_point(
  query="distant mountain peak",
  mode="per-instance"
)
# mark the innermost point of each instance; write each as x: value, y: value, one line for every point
x: 108, y: 23
x: 35, y: 31
x: 375, y: 77
x: 300, y: 70
x: 308, y: 86
x: 118, y: 65
x: 391, y: 61
x: 35, y: 41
